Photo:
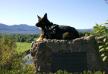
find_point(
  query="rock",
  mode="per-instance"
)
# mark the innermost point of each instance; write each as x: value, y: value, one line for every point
x: 48, y: 54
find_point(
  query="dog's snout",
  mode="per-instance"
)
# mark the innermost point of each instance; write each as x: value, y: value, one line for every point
x: 37, y: 24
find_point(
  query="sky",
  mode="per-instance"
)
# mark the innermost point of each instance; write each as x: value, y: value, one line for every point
x: 81, y: 14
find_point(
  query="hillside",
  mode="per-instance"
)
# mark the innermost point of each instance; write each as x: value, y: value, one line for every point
x: 22, y: 29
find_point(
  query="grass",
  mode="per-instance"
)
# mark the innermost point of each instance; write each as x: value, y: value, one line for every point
x: 22, y: 46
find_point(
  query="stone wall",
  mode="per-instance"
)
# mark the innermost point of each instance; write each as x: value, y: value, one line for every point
x: 42, y: 52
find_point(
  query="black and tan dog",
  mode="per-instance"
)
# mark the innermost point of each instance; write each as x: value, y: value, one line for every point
x: 54, y: 31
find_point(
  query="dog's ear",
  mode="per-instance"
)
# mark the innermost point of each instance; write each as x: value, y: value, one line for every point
x: 39, y: 18
x: 45, y: 16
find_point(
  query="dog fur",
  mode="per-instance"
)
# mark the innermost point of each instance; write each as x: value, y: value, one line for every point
x: 54, y: 31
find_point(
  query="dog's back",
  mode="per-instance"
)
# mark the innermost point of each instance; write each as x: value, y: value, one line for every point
x: 62, y: 32
x: 71, y: 31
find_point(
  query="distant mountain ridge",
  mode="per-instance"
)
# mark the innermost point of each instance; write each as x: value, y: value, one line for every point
x: 84, y: 30
x: 26, y: 29
x: 21, y: 28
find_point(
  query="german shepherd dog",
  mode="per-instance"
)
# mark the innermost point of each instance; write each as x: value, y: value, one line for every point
x: 54, y: 31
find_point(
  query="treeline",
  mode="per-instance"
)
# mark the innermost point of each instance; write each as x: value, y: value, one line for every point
x: 27, y: 37
x: 21, y: 37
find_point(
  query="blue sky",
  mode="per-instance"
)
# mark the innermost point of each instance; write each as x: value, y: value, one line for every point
x: 80, y: 14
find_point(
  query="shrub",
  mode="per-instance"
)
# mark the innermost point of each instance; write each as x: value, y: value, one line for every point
x: 101, y: 32
x: 7, y: 46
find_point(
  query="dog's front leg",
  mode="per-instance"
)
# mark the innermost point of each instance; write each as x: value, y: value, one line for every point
x: 41, y: 37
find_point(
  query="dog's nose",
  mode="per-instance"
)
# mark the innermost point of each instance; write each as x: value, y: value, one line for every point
x: 36, y: 24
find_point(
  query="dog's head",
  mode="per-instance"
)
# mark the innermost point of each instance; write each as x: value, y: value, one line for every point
x: 42, y: 22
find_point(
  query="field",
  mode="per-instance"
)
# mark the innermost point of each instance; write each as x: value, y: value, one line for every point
x: 22, y: 46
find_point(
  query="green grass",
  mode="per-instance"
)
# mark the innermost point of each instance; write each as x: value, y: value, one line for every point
x: 22, y: 46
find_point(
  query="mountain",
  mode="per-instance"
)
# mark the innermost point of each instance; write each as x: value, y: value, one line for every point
x: 26, y: 29
x: 84, y: 30
x: 21, y: 28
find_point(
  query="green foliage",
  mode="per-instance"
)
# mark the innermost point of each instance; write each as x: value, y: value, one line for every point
x: 103, y: 48
x: 84, y: 34
x: 10, y: 62
x: 19, y: 68
x: 101, y: 32
x: 7, y: 46
x: 25, y: 37
x: 22, y: 37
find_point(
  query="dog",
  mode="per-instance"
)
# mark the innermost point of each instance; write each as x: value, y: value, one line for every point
x: 54, y: 31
